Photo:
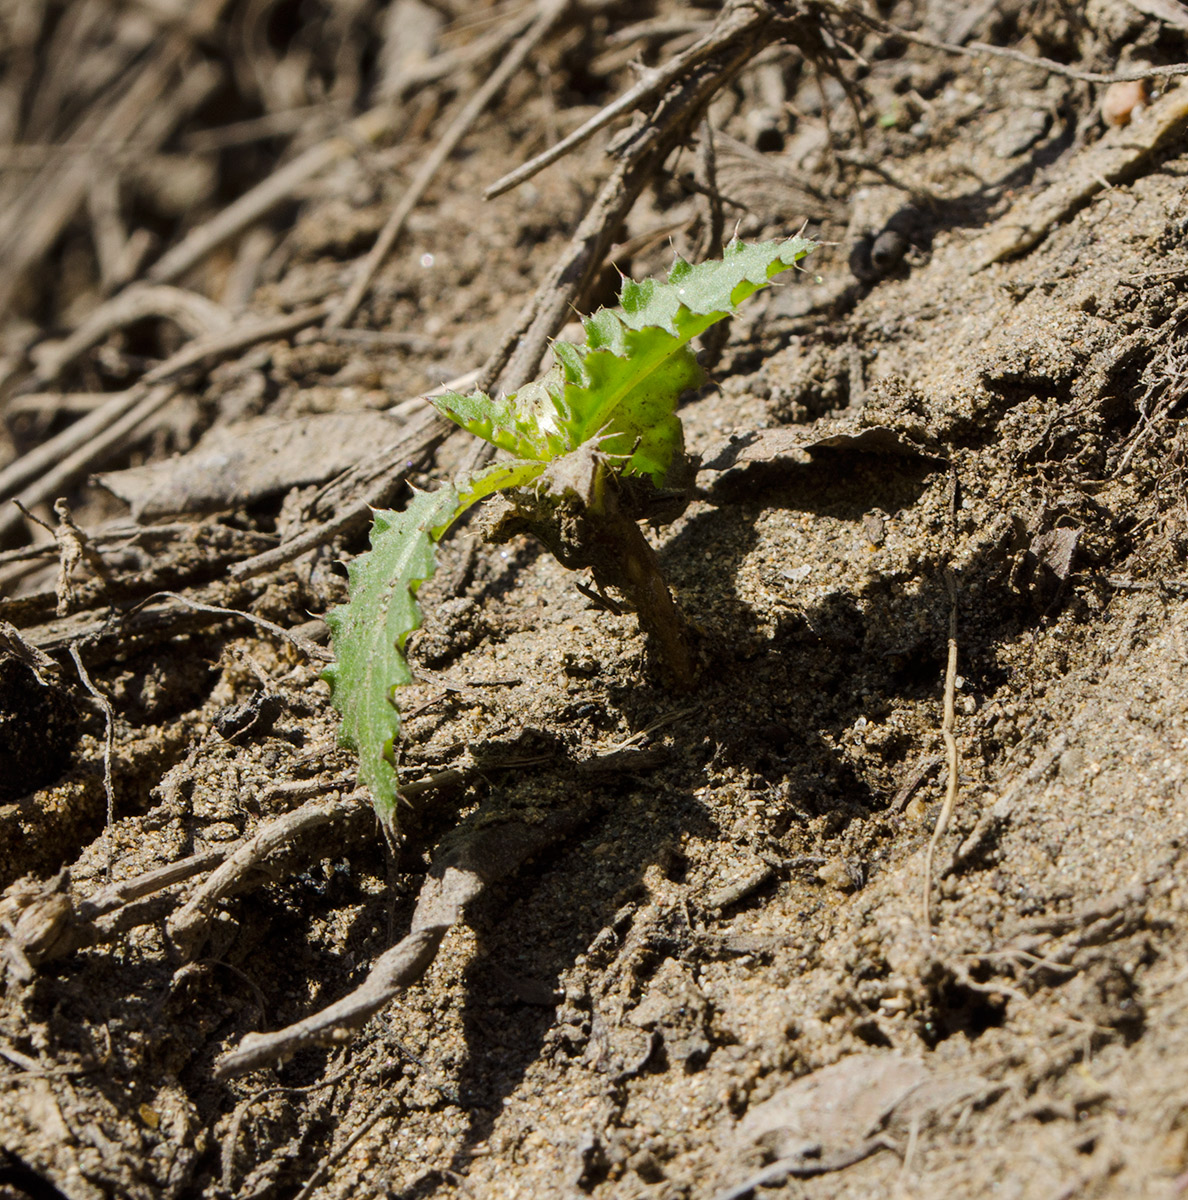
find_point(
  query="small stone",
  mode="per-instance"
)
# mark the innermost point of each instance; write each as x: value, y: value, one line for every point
x: 1123, y: 101
x: 836, y: 873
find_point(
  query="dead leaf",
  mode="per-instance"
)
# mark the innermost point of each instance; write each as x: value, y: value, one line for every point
x: 236, y: 465
x: 1054, y: 550
x: 798, y: 445
x: 36, y: 660
x: 1172, y: 12
x: 834, y: 1108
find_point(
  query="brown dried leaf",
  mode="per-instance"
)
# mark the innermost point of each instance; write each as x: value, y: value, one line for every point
x: 797, y: 445
x: 236, y: 465
x: 1172, y: 12
x: 1054, y: 551
x: 834, y: 1108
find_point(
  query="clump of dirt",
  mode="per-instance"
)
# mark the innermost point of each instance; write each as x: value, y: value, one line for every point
x: 636, y: 941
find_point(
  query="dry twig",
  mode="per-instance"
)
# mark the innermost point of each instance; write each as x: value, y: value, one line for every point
x: 370, y: 485
x: 684, y: 88
x: 526, y: 40
x: 385, y: 1108
x: 108, y: 746
x: 194, y: 314
x: 231, y: 1141
x: 975, y: 49
x: 189, y: 925
x: 370, y: 127
x: 309, y: 648
x: 805, y: 1166
x: 737, y: 20
x: 53, y: 466
x: 143, y: 109
x: 951, y: 754
x: 477, y: 857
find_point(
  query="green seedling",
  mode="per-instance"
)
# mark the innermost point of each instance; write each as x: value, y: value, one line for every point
x: 589, y: 449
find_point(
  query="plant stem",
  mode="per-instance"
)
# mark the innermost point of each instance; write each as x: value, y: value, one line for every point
x: 629, y: 563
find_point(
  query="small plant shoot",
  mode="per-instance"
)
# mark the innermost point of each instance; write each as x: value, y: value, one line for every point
x: 591, y: 448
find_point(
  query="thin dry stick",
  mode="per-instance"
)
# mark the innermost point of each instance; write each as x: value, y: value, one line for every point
x: 655, y: 28
x: 370, y: 127
x: 231, y: 1141
x: 804, y: 1166
x: 385, y: 1108
x: 951, y: 754
x: 116, y: 895
x: 131, y: 903
x: 121, y: 906
x: 282, y: 123
x: 309, y: 648
x: 58, y: 463
x: 739, y: 19
x: 1020, y: 56
x: 118, y: 533
x: 47, y: 405
x: 217, y: 346
x: 194, y: 314
x: 995, y: 818
x: 458, y: 875
x: 144, y: 626
x: 108, y: 748
x: 188, y: 926
x: 925, y: 764
x: 424, y: 435
x: 266, y: 195
x: 707, y: 170
x: 733, y: 44
x: 528, y: 40
x: 53, y: 199
x: 81, y: 433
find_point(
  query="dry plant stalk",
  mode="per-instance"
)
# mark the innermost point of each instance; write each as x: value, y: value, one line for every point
x: 952, y: 757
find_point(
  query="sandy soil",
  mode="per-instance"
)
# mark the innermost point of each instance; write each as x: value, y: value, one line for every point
x: 715, y: 975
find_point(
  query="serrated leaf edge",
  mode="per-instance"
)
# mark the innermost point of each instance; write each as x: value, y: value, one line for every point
x: 520, y: 422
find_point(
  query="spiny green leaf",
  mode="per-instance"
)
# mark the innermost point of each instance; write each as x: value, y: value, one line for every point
x: 370, y: 632
x: 719, y: 286
x: 617, y: 393
x: 498, y: 478
x: 638, y: 356
x: 498, y: 420
x: 622, y: 385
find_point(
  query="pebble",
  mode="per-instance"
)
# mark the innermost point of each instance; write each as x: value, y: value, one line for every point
x: 1122, y: 101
